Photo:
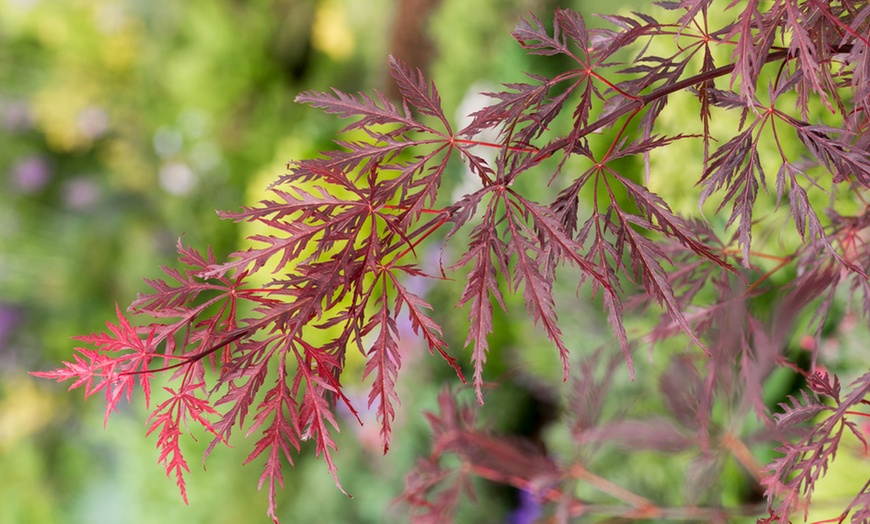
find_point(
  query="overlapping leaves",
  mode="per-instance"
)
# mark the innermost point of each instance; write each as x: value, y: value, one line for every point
x: 345, y: 231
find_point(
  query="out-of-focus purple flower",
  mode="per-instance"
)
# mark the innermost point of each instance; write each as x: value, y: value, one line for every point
x: 93, y: 121
x: 31, y: 174
x: 10, y: 316
x: 15, y: 117
x: 80, y: 193
x: 527, y: 512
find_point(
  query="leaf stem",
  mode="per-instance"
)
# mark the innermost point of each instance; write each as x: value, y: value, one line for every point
x: 404, y: 208
x: 767, y: 275
x: 757, y: 254
x: 515, y: 149
x: 423, y: 237
x: 743, y: 455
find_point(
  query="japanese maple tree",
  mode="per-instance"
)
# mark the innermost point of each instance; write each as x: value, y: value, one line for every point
x: 345, y: 231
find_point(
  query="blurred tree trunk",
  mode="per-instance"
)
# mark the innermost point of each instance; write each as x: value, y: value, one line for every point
x: 410, y: 40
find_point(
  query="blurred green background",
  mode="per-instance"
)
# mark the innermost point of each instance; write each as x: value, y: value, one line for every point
x: 125, y: 124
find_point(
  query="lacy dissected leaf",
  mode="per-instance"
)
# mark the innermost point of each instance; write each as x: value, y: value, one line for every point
x: 824, y: 383
x: 843, y: 159
x: 606, y: 42
x: 356, y: 156
x: 792, y: 477
x: 208, y: 306
x: 167, y: 420
x: 338, y: 234
x: 384, y: 361
x: 818, y: 281
x: 646, y: 257
x: 797, y: 411
x: 279, y: 436
x: 654, y: 208
x: 736, y: 168
x: 534, y: 37
x: 244, y: 375
x: 522, y: 115
x: 482, y: 282
x: 417, y: 91
x: 589, y: 391
x: 174, y: 299
x: 805, y: 218
x: 433, y: 491
x: 529, y: 271
x: 682, y: 386
x: 753, y: 36
x: 373, y: 112
x: 120, y: 358
x: 417, y: 182
x: 607, y: 259
x: 421, y: 323
x: 553, y: 240
x: 316, y: 384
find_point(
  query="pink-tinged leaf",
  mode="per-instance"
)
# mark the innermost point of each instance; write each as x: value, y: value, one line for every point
x: 802, y: 211
x: 606, y: 42
x: 692, y: 7
x: 173, y: 300
x: 823, y: 383
x: 510, y: 108
x: 243, y: 376
x: 792, y: 477
x: 373, y: 112
x: 645, y: 262
x: 89, y: 365
x: 681, y: 386
x: 804, y: 48
x: 533, y: 36
x: 429, y: 487
x: 613, y: 306
x: 602, y: 250
x: 797, y: 411
x: 384, y: 361
x: 278, y: 438
x: 736, y: 168
x: 120, y: 337
x: 315, y: 417
x: 120, y: 356
x: 357, y: 155
x: 537, y: 290
x: 417, y: 91
x: 315, y: 384
x: 422, y: 324
x: 842, y: 158
x: 168, y: 418
x: 572, y: 24
x: 589, y: 391
x: 416, y: 184
x: 655, y: 208
x: 481, y: 283
x: 753, y: 39
x: 295, y: 204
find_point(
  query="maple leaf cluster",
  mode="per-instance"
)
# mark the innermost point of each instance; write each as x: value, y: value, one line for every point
x: 344, y: 232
